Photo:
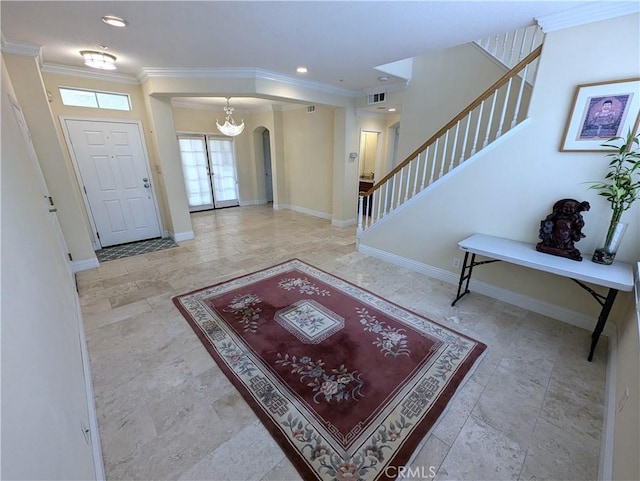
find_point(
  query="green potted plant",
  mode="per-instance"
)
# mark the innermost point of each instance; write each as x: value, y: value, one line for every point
x: 621, y: 187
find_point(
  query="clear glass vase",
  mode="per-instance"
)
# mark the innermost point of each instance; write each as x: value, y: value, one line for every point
x: 610, y: 243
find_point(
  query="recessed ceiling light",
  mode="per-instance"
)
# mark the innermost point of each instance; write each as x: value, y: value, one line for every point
x: 115, y: 21
x: 302, y: 70
x: 383, y: 79
x: 392, y: 109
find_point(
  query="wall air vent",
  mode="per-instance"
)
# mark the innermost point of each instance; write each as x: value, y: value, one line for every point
x: 311, y: 109
x: 376, y: 98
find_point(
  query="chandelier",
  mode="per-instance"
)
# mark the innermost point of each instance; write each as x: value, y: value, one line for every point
x: 230, y: 127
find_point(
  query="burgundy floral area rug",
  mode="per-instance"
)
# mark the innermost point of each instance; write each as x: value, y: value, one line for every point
x: 346, y: 382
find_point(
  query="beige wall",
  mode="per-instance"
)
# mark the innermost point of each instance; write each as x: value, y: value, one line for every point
x: 308, y: 158
x: 507, y: 191
x: 44, y: 396
x: 53, y: 157
x: 443, y: 84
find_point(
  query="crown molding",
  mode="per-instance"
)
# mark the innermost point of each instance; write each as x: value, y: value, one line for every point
x: 24, y: 49
x: 386, y: 87
x: 382, y: 115
x: 147, y: 73
x: 587, y: 13
x: 86, y: 73
x: 186, y: 102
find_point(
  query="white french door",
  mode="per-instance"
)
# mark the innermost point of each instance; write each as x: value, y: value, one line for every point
x: 209, y: 169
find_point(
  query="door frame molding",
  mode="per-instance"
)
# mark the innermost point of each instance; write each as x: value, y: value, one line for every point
x: 76, y: 168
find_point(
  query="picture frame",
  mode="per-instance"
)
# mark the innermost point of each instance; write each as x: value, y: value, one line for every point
x: 601, y: 111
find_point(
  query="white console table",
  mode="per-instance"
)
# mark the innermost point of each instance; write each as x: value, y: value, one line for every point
x: 617, y: 276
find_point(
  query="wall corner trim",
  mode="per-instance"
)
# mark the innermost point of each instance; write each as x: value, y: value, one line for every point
x: 182, y: 236
x: 85, y: 264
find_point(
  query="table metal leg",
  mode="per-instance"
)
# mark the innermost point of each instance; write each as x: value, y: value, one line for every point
x: 602, y: 320
x: 465, y: 274
x: 464, y: 277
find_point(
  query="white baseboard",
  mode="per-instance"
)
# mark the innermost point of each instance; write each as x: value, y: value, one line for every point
x: 182, y: 236
x: 315, y: 213
x: 535, y: 305
x: 343, y: 223
x: 302, y: 210
x: 85, y: 264
x: 245, y: 203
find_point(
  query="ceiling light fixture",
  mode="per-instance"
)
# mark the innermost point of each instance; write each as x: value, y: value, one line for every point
x: 383, y: 79
x: 115, y: 21
x: 101, y: 60
x: 230, y: 127
x: 302, y: 70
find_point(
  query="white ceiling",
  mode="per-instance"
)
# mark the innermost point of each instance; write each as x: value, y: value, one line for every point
x: 340, y: 43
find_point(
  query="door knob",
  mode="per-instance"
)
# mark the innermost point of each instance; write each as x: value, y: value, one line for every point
x: 147, y: 185
x: 145, y: 179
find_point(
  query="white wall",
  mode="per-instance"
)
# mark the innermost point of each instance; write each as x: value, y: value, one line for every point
x: 44, y: 397
x: 507, y: 191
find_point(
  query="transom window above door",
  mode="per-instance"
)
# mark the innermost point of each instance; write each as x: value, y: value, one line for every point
x: 94, y: 99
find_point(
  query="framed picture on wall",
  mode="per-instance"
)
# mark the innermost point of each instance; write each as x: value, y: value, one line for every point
x: 601, y: 111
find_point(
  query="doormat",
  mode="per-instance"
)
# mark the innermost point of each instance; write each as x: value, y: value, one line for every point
x: 134, y: 249
x: 348, y: 383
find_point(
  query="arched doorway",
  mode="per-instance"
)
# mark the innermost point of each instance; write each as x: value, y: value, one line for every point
x: 266, y: 156
x: 264, y: 174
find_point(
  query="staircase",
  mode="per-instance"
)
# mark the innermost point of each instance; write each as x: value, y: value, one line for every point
x: 496, y: 111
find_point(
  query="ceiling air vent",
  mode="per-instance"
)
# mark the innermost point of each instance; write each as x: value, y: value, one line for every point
x: 311, y: 109
x: 376, y: 98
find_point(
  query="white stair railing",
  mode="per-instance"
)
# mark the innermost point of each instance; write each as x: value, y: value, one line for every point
x: 511, y: 47
x: 500, y: 108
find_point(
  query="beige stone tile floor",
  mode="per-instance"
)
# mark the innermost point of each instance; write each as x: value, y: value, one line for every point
x: 532, y: 410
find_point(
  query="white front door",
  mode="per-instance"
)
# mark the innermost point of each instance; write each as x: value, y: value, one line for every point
x: 114, y: 172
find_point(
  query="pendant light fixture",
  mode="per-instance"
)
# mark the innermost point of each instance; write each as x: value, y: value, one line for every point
x: 230, y: 127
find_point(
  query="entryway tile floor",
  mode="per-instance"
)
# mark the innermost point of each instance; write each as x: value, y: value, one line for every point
x: 533, y: 408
